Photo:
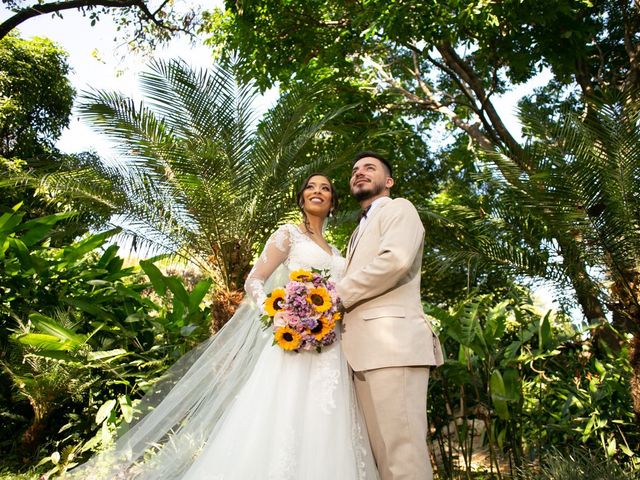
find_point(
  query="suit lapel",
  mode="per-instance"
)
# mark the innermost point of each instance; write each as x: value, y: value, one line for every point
x: 360, y: 232
x: 352, y: 239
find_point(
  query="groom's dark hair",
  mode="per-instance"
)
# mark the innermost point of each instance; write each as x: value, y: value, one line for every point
x: 377, y: 156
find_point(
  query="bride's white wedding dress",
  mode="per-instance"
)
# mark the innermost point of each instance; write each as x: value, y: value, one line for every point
x: 241, y: 408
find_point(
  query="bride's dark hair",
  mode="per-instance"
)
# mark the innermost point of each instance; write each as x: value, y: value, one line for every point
x: 300, y: 199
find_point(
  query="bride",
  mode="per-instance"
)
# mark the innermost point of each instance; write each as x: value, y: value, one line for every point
x: 239, y: 407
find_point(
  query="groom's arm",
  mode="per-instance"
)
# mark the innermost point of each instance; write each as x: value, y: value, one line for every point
x: 402, y: 235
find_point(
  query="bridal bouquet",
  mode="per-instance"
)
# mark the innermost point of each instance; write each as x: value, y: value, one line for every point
x: 303, y: 314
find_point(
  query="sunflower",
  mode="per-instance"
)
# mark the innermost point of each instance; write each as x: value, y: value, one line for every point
x: 274, y: 302
x: 336, y: 316
x: 319, y: 298
x: 325, y: 325
x: 301, y: 275
x: 287, y: 338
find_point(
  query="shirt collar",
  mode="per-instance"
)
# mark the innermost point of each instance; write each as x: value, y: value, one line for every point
x: 371, y: 208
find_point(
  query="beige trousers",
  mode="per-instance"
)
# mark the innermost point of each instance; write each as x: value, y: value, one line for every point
x: 394, y: 405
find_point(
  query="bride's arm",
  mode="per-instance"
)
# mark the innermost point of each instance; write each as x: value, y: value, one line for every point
x: 275, y: 252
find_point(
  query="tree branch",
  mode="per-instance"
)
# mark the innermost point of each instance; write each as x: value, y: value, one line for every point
x: 435, y: 105
x: 462, y: 70
x: 472, y: 99
x: 152, y: 16
x: 42, y: 9
x: 632, y: 48
x: 36, y: 10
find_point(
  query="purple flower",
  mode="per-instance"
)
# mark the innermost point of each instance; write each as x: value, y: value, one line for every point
x: 329, y: 338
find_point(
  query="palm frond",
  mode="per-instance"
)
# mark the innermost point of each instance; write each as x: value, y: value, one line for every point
x: 198, y: 177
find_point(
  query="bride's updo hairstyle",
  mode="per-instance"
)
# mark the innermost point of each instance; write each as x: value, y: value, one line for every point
x: 300, y: 198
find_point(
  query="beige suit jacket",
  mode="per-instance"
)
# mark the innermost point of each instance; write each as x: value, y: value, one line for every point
x: 384, y: 324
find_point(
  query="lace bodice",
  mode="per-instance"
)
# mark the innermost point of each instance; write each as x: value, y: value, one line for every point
x: 290, y: 247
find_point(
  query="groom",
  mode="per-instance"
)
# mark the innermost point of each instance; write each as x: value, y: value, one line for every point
x: 387, y: 340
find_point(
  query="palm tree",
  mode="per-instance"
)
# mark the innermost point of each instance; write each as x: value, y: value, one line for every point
x: 200, y: 177
x: 577, y: 217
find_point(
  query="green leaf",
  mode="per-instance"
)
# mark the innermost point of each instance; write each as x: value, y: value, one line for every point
x: 600, y: 368
x: 499, y: 395
x: 39, y: 228
x: 83, y: 247
x: 59, y: 355
x: 9, y: 221
x: 198, y: 293
x: 108, y: 255
x: 511, y: 379
x: 456, y: 373
x: 155, y: 276
x: 105, y: 411
x: 126, y: 408
x: 588, y: 428
x: 105, y: 433
x: 178, y: 313
x: 90, y: 307
x: 22, y: 252
x: 502, y: 435
x: 612, y: 447
x: 178, y: 290
x: 4, y: 245
x: 51, y: 327
x: 43, y: 341
x: 627, y: 451
x: 469, y: 326
x: 544, y: 333
x: 104, y: 354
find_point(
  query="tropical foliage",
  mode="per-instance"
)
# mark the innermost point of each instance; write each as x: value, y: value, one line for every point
x: 36, y: 96
x: 518, y: 382
x: 584, y: 188
x: 81, y: 337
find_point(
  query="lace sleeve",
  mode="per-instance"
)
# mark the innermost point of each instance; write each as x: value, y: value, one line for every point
x: 275, y: 253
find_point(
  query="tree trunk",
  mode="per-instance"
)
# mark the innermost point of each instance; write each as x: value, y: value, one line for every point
x: 635, y: 374
x: 585, y: 288
x: 224, y: 305
x: 32, y: 436
x: 587, y: 293
x: 625, y: 291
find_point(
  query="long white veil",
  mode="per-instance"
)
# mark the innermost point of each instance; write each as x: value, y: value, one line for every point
x: 183, y: 409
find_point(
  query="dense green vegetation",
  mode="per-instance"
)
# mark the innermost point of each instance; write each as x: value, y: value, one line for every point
x: 526, y: 392
x: 81, y: 337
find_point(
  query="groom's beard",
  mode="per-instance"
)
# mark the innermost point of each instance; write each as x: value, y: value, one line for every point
x: 376, y: 189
